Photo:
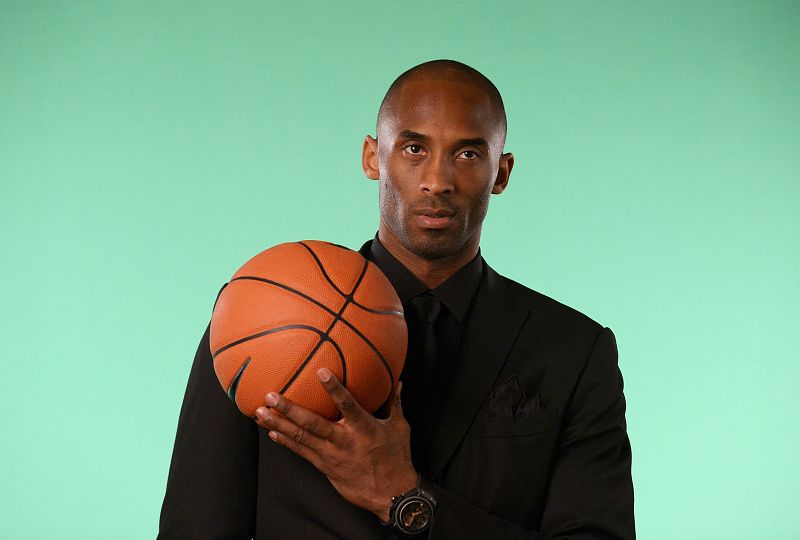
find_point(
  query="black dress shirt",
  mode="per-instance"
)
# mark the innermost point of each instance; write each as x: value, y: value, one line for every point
x: 423, y: 400
x: 456, y: 293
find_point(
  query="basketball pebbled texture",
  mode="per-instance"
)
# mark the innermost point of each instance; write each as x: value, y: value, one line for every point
x: 300, y: 306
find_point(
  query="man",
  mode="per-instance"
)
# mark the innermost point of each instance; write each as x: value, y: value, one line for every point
x: 514, y: 405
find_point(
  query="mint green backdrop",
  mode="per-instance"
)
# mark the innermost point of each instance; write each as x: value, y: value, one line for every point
x: 148, y: 149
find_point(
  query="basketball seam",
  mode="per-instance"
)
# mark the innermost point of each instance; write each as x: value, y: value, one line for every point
x: 326, y: 335
x: 377, y: 311
x: 287, y: 288
x: 353, y: 328
x: 264, y: 333
x: 323, y: 337
x: 324, y: 307
x: 327, y: 277
x: 322, y: 268
x: 337, y: 245
x: 316, y: 302
x: 235, y: 381
x: 352, y: 294
x: 374, y: 349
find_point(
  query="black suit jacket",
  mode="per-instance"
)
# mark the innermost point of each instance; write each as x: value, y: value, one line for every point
x: 531, y: 442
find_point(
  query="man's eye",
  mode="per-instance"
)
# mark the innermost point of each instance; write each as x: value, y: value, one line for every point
x: 413, y: 149
x: 469, y: 154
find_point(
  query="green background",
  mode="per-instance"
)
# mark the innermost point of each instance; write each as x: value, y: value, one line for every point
x: 148, y: 149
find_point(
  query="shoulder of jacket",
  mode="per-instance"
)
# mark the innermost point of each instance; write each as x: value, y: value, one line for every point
x: 550, y: 312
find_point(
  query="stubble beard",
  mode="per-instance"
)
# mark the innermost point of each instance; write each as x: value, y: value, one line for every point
x: 431, y: 244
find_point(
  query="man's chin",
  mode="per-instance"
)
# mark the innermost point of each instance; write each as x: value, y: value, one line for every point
x: 433, y: 246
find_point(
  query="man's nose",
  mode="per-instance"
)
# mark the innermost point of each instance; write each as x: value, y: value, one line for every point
x: 437, y: 177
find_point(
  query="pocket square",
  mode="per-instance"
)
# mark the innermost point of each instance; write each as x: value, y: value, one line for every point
x: 529, y: 406
x: 509, y: 401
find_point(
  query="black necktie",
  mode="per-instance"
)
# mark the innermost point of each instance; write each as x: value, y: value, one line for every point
x: 419, y: 373
x: 424, y: 309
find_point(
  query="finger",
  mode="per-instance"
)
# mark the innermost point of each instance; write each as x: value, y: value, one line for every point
x: 301, y: 450
x: 344, y: 400
x: 302, y: 417
x: 278, y: 423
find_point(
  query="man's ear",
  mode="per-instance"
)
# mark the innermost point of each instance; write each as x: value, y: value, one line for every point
x: 369, y: 158
x: 503, y: 173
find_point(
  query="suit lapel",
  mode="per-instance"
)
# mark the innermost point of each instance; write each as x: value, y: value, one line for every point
x: 491, y: 331
x: 489, y: 335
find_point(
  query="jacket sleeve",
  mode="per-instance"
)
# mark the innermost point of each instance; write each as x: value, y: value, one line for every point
x: 212, y: 483
x: 590, y: 492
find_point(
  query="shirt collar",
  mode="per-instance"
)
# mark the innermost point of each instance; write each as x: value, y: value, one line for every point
x: 455, y: 293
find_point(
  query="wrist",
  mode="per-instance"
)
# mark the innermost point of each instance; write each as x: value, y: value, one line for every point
x: 408, y: 481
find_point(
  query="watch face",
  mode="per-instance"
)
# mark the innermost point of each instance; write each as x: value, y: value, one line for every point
x: 415, y: 514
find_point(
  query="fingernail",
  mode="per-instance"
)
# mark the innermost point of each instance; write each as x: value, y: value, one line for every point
x: 272, y: 399
x: 324, y: 374
x: 261, y: 412
x: 273, y: 435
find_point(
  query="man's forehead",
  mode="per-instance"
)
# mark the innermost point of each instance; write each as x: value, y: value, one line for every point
x: 434, y: 104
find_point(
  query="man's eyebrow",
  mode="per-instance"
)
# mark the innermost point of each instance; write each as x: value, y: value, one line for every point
x: 475, y: 141
x: 407, y: 134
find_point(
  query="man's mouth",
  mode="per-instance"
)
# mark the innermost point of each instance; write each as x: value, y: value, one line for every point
x: 430, y: 218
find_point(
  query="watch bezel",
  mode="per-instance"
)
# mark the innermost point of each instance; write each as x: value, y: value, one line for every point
x: 404, y: 501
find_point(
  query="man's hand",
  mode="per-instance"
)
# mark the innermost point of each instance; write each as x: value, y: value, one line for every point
x: 367, y: 460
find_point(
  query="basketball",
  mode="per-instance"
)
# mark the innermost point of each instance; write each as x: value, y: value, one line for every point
x: 301, y: 306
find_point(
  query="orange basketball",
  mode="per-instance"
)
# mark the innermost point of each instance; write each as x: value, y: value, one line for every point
x: 301, y: 306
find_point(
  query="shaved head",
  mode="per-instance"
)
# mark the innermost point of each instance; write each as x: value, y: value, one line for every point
x: 438, y: 156
x: 445, y: 70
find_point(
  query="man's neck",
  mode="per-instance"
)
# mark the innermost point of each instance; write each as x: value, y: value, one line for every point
x: 431, y: 272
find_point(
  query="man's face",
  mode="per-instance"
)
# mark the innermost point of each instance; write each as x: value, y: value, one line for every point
x: 439, y: 151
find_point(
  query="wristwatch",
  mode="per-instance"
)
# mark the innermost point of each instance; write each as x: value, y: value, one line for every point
x: 412, y: 512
